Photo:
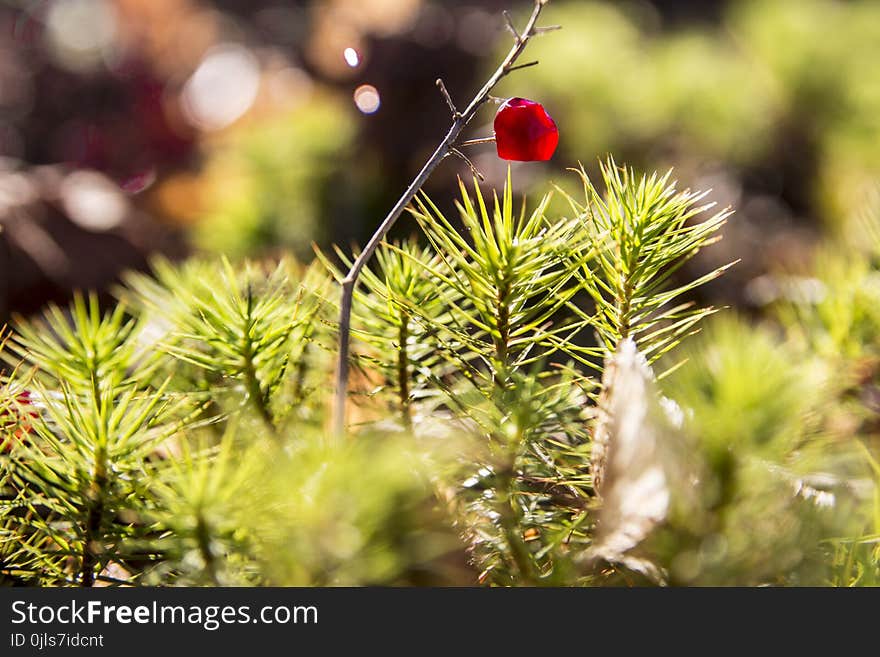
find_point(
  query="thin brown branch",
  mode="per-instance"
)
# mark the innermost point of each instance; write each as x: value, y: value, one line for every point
x: 452, y: 108
x: 479, y: 140
x: 466, y: 159
x: 518, y: 67
x: 460, y: 121
x: 511, y: 26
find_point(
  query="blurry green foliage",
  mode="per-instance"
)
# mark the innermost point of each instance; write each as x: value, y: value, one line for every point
x: 751, y: 409
x: 267, y: 180
x: 773, y: 70
x: 360, y: 512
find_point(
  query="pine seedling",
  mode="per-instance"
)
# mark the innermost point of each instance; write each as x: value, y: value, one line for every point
x: 235, y: 326
x: 82, y: 348
x: 518, y: 273
x: 79, y: 479
x: 199, y: 504
x: 644, y: 230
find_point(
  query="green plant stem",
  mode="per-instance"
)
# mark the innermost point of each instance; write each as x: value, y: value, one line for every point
x: 251, y: 380
x: 94, y: 517
x: 459, y: 122
x: 623, y: 308
x: 509, y: 515
x: 255, y: 391
x: 299, y: 378
x: 203, y: 538
x: 502, y: 342
x: 509, y: 521
x: 403, y: 372
x: 478, y: 141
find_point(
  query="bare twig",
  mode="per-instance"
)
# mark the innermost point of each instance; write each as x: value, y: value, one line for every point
x: 474, y: 170
x: 521, y: 66
x: 452, y: 108
x: 460, y: 120
x: 479, y: 140
x: 511, y: 26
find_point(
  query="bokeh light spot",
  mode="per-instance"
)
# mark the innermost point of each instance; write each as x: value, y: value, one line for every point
x: 367, y: 99
x: 223, y: 87
x: 92, y: 201
x: 81, y: 34
x: 351, y: 57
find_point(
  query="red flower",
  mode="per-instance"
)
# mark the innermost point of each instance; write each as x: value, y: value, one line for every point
x: 524, y: 131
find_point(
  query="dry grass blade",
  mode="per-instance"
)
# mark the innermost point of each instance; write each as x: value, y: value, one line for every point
x: 628, y: 469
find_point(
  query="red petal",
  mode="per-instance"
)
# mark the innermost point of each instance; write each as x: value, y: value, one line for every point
x: 524, y: 131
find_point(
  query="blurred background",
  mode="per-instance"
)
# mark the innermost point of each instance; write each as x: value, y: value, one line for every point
x: 245, y: 127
